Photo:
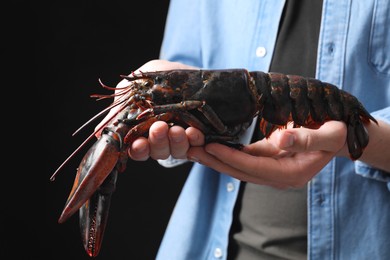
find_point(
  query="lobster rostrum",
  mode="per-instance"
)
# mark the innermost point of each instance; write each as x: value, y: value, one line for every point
x: 221, y: 103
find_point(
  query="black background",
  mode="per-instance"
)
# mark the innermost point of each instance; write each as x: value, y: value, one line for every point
x: 76, y: 44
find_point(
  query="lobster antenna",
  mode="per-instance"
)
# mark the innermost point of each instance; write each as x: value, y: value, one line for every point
x: 52, y: 178
x: 98, y: 115
x: 118, y: 102
x: 114, y: 104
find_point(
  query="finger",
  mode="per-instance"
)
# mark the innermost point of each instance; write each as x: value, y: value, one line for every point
x: 329, y: 137
x: 195, y: 136
x: 178, y: 142
x: 261, y: 148
x: 237, y: 164
x: 198, y: 154
x: 158, y: 140
x: 294, y: 170
x: 240, y: 160
x: 139, y: 149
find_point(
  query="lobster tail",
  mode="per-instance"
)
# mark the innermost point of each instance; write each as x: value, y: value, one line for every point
x: 357, y: 136
x: 310, y: 103
x: 355, y: 117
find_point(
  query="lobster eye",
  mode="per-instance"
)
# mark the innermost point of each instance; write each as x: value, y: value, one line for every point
x: 158, y: 79
x: 148, y: 83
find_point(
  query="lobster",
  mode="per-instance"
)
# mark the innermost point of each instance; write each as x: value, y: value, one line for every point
x: 220, y: 103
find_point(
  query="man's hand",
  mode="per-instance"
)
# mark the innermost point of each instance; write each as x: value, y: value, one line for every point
x: 288, y: 158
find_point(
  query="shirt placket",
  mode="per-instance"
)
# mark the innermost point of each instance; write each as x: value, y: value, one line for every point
x: 330, y: 68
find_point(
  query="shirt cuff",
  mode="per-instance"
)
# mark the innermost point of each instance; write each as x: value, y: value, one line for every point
x: 244, y: 139
x: 171, y: 162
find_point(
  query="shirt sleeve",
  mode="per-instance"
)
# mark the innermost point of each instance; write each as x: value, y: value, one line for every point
x: 181, y: 41
x: 368, y: 171
x: 171, y: 162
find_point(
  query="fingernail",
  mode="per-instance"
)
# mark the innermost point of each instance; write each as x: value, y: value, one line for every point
x: 208, y: 150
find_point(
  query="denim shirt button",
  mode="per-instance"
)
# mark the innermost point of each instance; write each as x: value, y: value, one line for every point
x: 261, y: 52
x: 218, y: 252
x: 230, y: 187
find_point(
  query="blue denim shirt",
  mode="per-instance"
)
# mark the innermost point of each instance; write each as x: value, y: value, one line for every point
x: 348, y: 202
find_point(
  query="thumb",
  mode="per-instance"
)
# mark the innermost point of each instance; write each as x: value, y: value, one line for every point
x: 330, y: 137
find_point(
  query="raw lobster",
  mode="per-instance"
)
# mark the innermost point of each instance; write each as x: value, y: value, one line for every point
x: 221, y: 103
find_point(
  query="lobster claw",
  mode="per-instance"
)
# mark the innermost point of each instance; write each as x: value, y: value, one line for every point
x: 93, y: 215
x: 92, y: 189
x: 94, y: 168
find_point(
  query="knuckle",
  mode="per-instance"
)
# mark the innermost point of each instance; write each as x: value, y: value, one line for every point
x: 308, y: 142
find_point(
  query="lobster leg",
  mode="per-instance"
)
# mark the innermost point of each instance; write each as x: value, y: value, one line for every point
x: 179, y: 111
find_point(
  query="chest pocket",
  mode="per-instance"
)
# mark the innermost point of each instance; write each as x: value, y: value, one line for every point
x: 379, y: 52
